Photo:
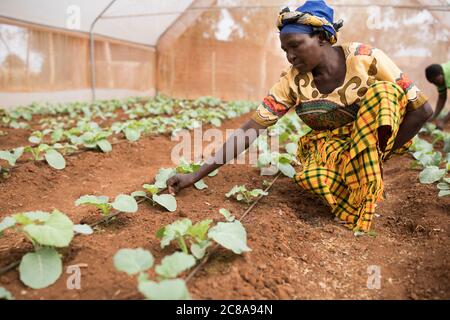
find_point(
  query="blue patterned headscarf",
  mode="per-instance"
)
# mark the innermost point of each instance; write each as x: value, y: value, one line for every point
x: 305, y: 19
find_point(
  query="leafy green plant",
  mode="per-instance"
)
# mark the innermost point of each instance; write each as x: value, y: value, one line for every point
x: 131, y: 129
x: 37, y: 136
x: 47, y: 232
x: 122, y: 203
x: 207, y: 102
x: 5, y: 294
x: 10, y: 157
x: 183, y: 232
x: 444, y: 187
x: 167, y: 201
x: 431, y: 175
x: 137, y: 262
x: 50, y: 154
x: 227, y: 215
x: 172, y: 266
x: 183, y: 167
x: 162, y: 177
x: 421, y: 145
x: 424, y: 154
x: 242, y: 194
x: 289, y: 129
x: 428, y: 128
x: 281, y: 161
x: 447, y: 162
x: 94, y: 140
x: 429, y: 158
x: 186, y: 167
x: 172, y: 289
x: 230, y: 235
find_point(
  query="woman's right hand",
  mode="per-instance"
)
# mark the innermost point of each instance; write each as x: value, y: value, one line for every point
x: 180, y: 181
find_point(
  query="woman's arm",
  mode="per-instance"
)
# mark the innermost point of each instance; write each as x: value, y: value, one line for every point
x: 441, y: 123
x: 440, y: 104
x: 411, y: 125
x: 233, y: 147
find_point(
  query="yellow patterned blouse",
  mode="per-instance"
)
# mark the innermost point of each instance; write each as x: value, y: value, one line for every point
x: 365, y: 66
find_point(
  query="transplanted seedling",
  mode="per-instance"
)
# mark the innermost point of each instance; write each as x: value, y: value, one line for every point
x: 37, y: 136
x: 431, y: 175
x: 167, y: 201
x: 444, y: 187
x: 122, y: 203
x: 227, y: 215
x: 230, y: 235
x: 242, y: 194
x: 47, y: 232
x: 50, y: 154
x: 426, y: 159
x: 186, y: 167
x: 96, y: 139
x: 281, y: 161
x: 137, y: 262
x: 131, y: 129
x: 183, y: 232
x: 5, y: 294
x: 90, y: 135
x: 423, y: 152
x: 11, y: 157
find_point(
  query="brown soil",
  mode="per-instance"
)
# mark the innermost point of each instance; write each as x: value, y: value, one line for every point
x: 299, y: 252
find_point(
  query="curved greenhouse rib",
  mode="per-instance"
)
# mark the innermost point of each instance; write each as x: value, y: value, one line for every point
x: 91, y: 47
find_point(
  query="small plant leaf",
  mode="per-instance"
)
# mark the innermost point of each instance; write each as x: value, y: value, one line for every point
x: 57, y: 231
x: 5, y: 294
x: 199, y: 231
x: 83, y: 229
x: 287, y: 169
x: 104, y: 145
x: 162, y: 177
x: 133, y: 261
x: 199, y: 249
x: 165, y: 290
x: 7, y: 223
x: 214, y: 173
x: 291, y: 148
x: 171, y: 266
x: 55, y: 159
x: 125, y: 203
x: 201, y: 185
x: 231, y: 235
x: 151, y: 188
x: 167, y: 201
x: 40, y: 269
x: 227, y: 215
x: 139, y: 194
x: 172, y: 231
x: 431, y: 175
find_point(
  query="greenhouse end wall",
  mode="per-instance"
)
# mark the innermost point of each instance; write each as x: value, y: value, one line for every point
x: 42, y: 64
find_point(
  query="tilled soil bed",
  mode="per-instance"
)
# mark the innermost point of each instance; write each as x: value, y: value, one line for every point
x: 298, y: 250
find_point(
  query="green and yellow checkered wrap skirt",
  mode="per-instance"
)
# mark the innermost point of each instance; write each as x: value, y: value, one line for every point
x: 344, y: 166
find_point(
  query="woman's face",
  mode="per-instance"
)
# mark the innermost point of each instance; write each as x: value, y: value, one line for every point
x: 302, y: 51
